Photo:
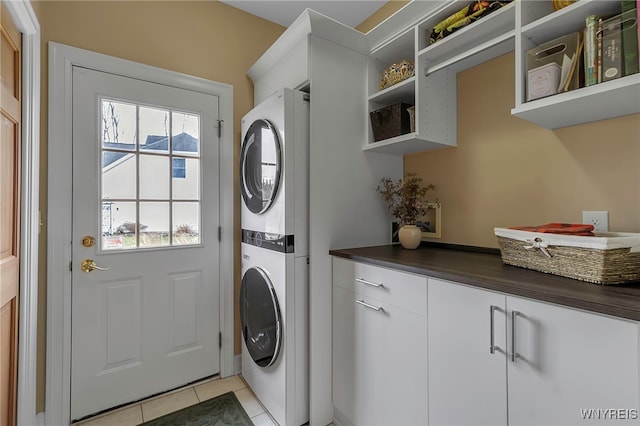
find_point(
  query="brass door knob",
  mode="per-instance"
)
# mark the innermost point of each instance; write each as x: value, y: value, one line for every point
x: 89, y: 265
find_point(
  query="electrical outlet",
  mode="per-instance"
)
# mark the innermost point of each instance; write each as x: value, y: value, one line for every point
x: 599, y: 220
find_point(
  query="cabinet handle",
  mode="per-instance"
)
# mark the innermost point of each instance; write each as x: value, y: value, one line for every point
x: 363, y: 281
x: 492, y: 345
x: 514, y: 354
x: 366, y: 305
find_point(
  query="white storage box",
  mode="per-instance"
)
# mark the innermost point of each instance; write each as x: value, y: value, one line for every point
x: 607, y: 258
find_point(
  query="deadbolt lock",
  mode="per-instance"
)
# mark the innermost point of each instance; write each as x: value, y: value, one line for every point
x: 88, y: 241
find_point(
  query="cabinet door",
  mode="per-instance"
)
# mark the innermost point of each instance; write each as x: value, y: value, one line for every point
x: 572, y: 364
x: 380, y: 362
x: 466, y: 381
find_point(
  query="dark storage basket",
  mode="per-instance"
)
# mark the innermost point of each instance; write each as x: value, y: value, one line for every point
x: 390, y: 121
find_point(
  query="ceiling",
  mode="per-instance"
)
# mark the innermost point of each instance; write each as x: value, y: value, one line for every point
x: 284, y: 12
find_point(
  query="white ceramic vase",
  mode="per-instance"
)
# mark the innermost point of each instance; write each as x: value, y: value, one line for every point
x: 410, y: 236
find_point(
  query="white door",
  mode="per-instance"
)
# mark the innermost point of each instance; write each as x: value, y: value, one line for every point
x: 145, y: 188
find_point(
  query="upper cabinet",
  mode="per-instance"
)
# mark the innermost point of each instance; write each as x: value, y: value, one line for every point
x: 433, y: 88
x: 538, y: 23
x: 519, y: 26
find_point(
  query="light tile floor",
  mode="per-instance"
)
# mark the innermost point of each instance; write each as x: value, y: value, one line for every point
x: 173, y: 401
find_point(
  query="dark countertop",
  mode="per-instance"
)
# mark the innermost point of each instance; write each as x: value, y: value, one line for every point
x: 485, y: 269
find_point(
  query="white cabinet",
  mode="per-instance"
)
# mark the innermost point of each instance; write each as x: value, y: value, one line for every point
x: 433, y: 89
x: 466, y: 381
x: 566, y: 361
x: 569, y: 361
x: 379, y: 345
x: 537, y: 23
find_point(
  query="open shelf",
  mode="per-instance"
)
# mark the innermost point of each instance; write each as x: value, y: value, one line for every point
x: 605, y: 100
x: 403, y: 91
x: 400, y: 145
x: 491, y: 27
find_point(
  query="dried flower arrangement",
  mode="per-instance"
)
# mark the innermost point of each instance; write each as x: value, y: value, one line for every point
x: 406, y: 198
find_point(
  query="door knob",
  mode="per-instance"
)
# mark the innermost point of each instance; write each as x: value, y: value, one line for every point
x: 89, y: 265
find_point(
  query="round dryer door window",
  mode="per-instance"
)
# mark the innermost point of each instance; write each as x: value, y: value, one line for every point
x: 260, y: 317
x: 260, y: 166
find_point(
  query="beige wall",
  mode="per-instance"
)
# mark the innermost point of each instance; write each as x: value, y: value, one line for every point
x: 506, y: 171
x: 207, y: 39
x: 381, y: 14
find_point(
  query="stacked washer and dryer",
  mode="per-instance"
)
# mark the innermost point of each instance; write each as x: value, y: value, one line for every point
x: 274, y: 171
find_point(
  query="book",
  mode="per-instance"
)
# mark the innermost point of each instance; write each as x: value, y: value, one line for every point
x: 612, y: 48
x: 572, y: 73
x: 590, y: 50
x: 630, y: 41
x: 599, y: 51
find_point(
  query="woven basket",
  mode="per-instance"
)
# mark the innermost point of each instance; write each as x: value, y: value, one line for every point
x: 608, y: 258
x: 390, y: 121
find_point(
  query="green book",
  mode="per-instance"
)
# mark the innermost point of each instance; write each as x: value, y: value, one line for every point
x: 630, y: 41
x: 590, y: 50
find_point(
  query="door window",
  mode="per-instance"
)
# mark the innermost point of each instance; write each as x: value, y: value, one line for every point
x: 150, y: 190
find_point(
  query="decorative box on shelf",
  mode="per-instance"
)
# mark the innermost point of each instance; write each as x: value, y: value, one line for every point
x: 396, y: 73
x: 605, y: 258
x: 390, y: 121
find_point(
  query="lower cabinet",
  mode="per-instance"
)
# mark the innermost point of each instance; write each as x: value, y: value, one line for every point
x: 496, y: 359
x: 379, y: 346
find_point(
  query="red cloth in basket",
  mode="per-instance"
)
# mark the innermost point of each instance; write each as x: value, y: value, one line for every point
x: 560, y: 228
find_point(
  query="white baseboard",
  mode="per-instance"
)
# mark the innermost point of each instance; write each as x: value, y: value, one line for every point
x: 237, y: 364
x: 40, y: 419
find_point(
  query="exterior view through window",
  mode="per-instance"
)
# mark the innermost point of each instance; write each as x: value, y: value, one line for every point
x: 150, y: 188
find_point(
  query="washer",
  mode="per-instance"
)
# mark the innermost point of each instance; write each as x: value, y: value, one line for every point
x: 274, y: 174
x: 274, y: 321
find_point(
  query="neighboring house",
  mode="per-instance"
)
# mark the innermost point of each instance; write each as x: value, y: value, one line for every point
x: 119, y: 171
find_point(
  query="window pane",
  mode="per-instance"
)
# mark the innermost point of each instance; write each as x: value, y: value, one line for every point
x: 154, y: 129
x: 118, y: 125
x: 186, y: 179
x: 154, y: 224
x: 118, y: 175
x: 118, y: 225
x: 154, y: 177
x: 186, y: 223
x: 185, y: 133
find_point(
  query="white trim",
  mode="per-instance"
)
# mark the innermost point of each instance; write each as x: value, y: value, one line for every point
x: 27, y: 23
x: 237, y: 364
x: 61, y: 60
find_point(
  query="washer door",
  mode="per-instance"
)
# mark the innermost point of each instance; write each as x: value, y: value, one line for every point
x: 260, y: 317
x: 260, y: 166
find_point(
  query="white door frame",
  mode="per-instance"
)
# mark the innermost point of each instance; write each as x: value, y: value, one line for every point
x: 61, y: 60
x: 27, y: 23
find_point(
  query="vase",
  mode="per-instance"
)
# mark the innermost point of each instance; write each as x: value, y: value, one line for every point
x: 410, y: 236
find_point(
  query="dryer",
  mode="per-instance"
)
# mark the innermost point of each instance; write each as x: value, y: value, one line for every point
x: 274, y: 170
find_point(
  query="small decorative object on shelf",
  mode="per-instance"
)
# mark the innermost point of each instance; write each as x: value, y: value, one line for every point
x: 397, y: 73
x: 471, y: 12
x: 407, y: 203
x: 559, y: 4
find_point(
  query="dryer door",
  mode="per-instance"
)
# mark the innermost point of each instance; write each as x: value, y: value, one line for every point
x: 260, y: 317
x: 260, y: 160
